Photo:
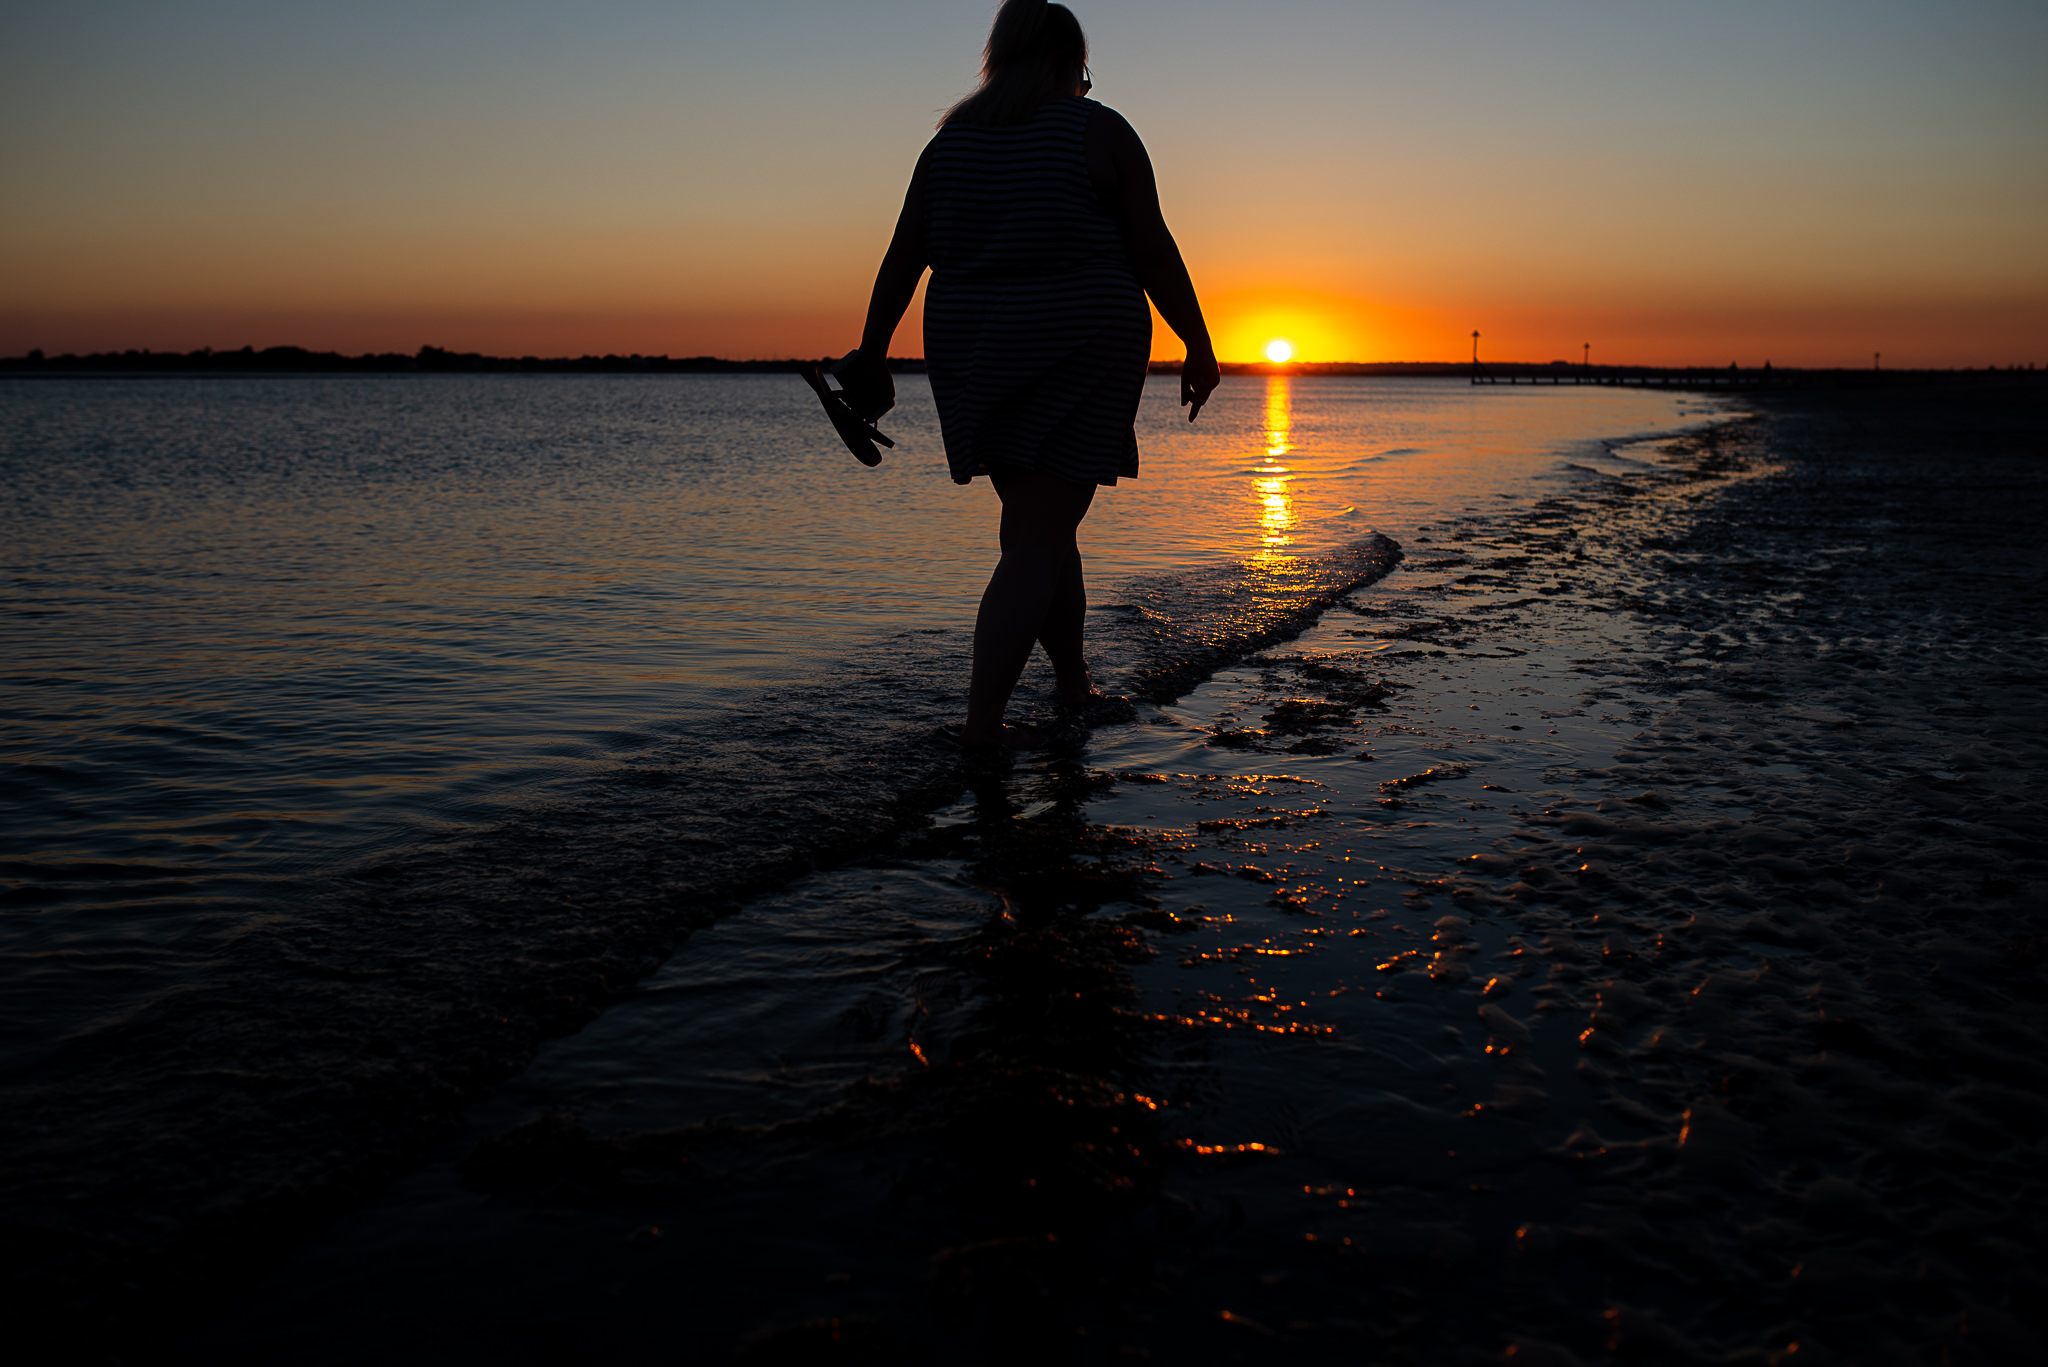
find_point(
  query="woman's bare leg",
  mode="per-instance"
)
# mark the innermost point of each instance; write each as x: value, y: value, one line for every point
x: 1036, y: 594
x: 1061, y: 633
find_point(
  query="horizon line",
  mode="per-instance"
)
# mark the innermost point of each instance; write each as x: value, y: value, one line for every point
x: 433, y: 358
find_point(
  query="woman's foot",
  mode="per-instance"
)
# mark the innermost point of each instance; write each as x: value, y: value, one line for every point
x: 1077, y: 691
x: 1096, y: 707
x: 1003, y: 736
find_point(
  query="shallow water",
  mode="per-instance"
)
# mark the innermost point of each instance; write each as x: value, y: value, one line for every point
x: 258, y: 630
x: 362, y: 734
x: 1615, y: 934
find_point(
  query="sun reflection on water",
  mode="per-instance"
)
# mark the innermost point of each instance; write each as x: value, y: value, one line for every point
x: 1276, y: 511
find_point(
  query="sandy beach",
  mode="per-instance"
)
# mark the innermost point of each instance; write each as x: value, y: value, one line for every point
x: 1615, y: 934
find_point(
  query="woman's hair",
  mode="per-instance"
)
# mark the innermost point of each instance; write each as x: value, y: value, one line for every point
x: 1036, y: 51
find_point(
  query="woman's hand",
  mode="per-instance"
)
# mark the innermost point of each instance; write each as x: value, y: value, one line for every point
x: 870, y: 388
x: 1199, y: 376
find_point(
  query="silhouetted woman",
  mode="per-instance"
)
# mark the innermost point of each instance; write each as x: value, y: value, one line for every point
x: 1036, y: 211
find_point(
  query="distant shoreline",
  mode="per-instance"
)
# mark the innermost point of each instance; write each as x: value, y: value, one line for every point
x: 431, y: 360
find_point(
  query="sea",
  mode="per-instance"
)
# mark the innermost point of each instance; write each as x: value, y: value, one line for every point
x: 259, y: 632
x: 360, y: 735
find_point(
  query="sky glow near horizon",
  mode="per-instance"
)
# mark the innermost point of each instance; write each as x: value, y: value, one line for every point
x: 1806, y: 182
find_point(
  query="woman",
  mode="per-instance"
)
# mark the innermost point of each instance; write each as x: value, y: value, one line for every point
x: 1037, y: 212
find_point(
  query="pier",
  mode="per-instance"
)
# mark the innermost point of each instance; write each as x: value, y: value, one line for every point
x: 1733, y: 377
x: 1729, y: 378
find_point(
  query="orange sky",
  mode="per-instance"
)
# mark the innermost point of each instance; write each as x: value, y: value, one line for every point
x: 1374, y: 183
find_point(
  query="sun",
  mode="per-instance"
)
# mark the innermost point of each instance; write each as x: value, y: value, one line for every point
x: 1279, y: 349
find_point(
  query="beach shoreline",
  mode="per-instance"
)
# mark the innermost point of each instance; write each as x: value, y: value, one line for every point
x: 1682, y: 997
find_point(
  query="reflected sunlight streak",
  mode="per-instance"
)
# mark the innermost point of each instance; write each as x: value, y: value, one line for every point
x: 1276, y: 516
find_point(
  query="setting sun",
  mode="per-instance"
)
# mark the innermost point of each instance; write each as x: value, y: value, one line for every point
x: 1279, y: 350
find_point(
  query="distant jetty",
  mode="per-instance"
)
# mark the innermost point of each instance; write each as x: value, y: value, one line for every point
x: 431, y: 360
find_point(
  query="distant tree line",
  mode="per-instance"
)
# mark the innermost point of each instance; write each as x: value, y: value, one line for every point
x: 292, y: 360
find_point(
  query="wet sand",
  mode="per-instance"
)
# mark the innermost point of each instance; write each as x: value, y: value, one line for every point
x: 1615, y: 934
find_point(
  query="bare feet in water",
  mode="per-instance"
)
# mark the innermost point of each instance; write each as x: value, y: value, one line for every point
x: 1081, y: 693
x: 1091, y: 706
x: 1006, y: 736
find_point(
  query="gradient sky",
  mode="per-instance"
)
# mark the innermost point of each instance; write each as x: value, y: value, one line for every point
x: 1805, y: 181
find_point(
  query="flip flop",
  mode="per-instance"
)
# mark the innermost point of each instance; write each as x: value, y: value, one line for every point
x: 859, y: 435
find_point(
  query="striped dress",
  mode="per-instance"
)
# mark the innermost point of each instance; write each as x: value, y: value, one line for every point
x: 1036, y: 331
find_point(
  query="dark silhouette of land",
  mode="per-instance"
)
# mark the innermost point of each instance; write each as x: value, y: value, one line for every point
x: 292, y: 360
x: 431, y: 360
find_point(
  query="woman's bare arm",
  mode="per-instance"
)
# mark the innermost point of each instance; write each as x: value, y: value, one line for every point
x: 870, y: 388
x: 1123, y: 172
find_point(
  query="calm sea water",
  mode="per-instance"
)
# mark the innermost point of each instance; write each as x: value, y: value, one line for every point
x: 257, y: 632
